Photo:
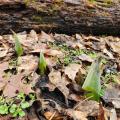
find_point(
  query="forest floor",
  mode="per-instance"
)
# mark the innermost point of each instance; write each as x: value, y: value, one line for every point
x: 58, y: 93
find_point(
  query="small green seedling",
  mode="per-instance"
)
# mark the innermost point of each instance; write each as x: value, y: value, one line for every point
x: 3, y: 109
x: 18, y: 46
x: 92, y: 82
x: 17, y: 111
x: 7, y: 106
x: 42, y: 64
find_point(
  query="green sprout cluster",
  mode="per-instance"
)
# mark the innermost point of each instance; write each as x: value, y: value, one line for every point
x: 8, y: 105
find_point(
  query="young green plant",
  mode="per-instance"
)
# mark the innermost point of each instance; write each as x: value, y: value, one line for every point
x: 18, y: 46
x: 42, y: 64
x: 92, y: 82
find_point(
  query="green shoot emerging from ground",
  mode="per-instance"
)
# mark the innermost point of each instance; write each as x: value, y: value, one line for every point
x: 92, y: 82
x: 18, y: 46
x: 42, y: 64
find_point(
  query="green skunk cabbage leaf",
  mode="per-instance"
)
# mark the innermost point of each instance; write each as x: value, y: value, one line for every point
x: 42, y: 64
x: 18, y: 46
x: 92, y: 82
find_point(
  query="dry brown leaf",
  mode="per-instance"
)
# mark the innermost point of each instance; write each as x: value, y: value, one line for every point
x: 27, y: 64
x: 113, y: 43
x: 53, y: 52
x: 38, y: 48
x: 91, y: 38
x: 115, y: 46
x: 3, y: 66
x: 91, y: 108
x: 108, y: 53
x: 53, y: 115
x: 3, y: 49
x: 78, y: 45
x: 33, y: 35
x: 85, y: 57
x: 72, y: 70
x: 112, y: 95
x: 51, y: 61
x: 34, y: 77
x: 77, y: 115
x: 75, y: 97
x: 64, y: 38
x: 44, y: 37
x: 113, y: 115
x: 3, y: 52
x: 47, y: 51
x: 57, y: 80
x: 12, y: 84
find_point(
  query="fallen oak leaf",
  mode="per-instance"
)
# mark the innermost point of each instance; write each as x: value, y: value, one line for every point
x: 75, y: 114
x: 27, y: 64
x: 57, y: 80
x: 72, y: 70
x: 14, y: 85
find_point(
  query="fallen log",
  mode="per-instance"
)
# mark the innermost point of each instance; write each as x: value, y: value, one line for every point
x: 63, y: 17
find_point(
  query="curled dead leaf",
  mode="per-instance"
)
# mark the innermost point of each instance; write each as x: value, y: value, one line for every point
x: 72, y: 70
x: 58, y: 81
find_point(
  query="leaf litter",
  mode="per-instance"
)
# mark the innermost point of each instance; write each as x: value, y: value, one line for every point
x: 59, y: 93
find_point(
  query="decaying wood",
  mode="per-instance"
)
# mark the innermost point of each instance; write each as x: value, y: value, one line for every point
x: 68, y: 17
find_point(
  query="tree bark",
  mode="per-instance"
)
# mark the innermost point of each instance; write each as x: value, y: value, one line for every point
x: 62, y: 17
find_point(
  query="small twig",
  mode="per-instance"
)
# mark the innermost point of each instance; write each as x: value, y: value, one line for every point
x: 52, y: 116
x: 82, y: 102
